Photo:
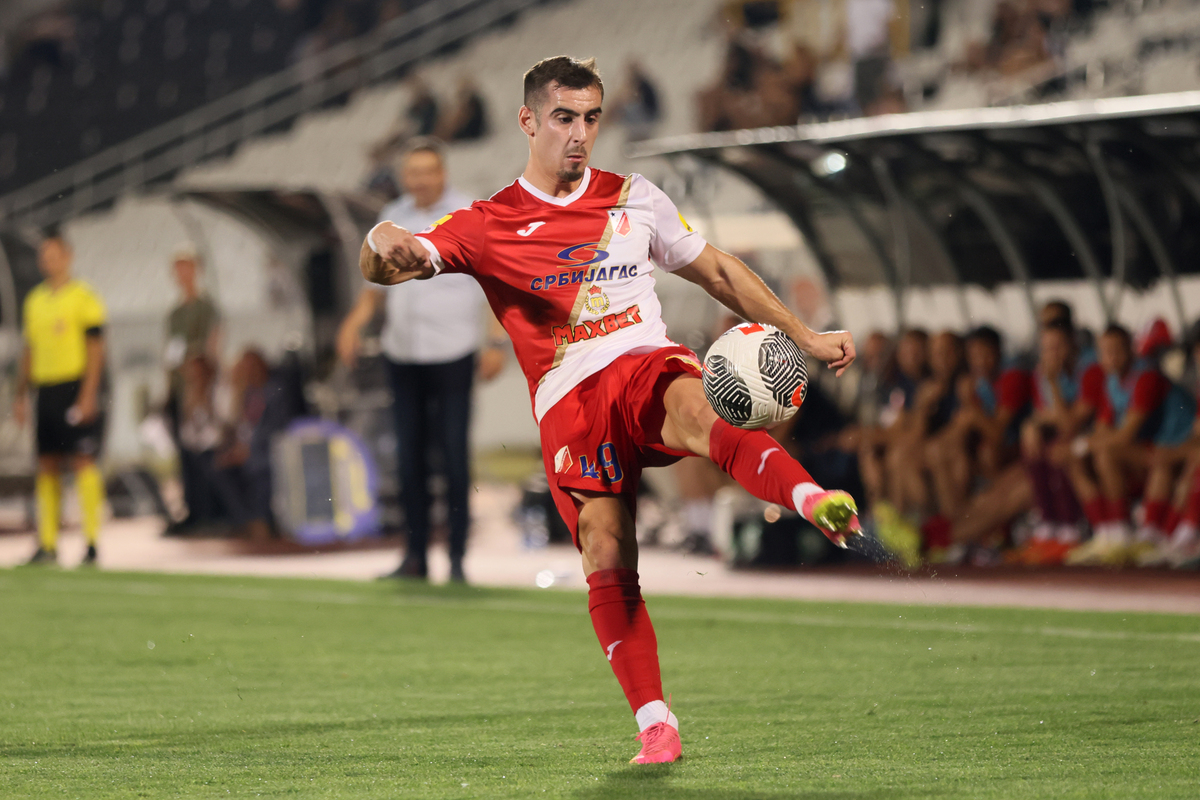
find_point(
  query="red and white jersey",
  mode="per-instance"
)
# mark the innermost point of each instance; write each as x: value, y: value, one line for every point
x: 570, y: 278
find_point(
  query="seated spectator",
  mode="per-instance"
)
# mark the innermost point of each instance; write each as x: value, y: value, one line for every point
x: 895, y: 397
x: 636, y: 105
x: 933, y: 406
x: 381, y: 180
x: 1139, y: 410
x: 243, y: 463
x: 1181, y: 548
x: 1065, y: 397
x: 982, y: 435
x: 467, y: 121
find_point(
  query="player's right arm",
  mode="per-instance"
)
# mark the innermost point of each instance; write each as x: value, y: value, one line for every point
x: 349, y: 335
x: 390, y: 255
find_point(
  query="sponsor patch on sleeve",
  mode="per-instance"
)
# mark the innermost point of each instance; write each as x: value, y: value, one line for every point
x: 448, y: 216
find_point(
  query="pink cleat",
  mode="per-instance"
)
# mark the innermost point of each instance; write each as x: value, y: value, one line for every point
x: 660, y: 745
x: 835, y: 513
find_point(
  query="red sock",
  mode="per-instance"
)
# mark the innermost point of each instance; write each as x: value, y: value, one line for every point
x: 745, y: 456
x: 623, y: 627
x: 1156, y: 513
x: 1096, y: 511
x: 1191, y: 508
x: 1118, y: 510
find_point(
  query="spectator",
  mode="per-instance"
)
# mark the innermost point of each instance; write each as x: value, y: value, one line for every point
x: 869, y: 47
x: 636, y: 104
x: 243, y: 464
x: 381, y: 181
x: 193, y: 330
x: 932, y: 407
x: 896, y: 397
x: 1065, y: 397
x: 431, y: 334
x: 421, y: 116
x: 1139, y: 408
x: 199, y: 433
x: 63, y: 359
x: 982, y: 436
x: 467, y: 121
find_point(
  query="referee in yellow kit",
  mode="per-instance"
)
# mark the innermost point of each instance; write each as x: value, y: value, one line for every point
x: 63, y: 360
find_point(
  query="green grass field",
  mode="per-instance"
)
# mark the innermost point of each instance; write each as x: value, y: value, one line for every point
x: 118, y: 685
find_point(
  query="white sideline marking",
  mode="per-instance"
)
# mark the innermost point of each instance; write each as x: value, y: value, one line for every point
x: 144, y: 588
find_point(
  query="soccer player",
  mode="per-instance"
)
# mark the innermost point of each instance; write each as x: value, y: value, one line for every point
x: 1139, y: 409
x: 63, y: 359
x: 565, y: 256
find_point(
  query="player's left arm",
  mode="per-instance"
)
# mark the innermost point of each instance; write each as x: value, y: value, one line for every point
x: 1015, y: 392
x: 1149, y: 393
x: 92, y: 320
x: 736, y: 287
x: 87, y: 404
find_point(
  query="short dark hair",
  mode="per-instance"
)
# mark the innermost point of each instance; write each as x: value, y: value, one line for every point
x: 1115, y: 329
x: 425, y: 144
x: 988, y: 335
x: 55, y: 234
x: 566, y: 71
x: 1062, y: 312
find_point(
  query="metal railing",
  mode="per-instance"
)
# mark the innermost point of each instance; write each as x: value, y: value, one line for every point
x: 217, y: 127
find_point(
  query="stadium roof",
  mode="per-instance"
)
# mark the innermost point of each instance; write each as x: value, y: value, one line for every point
x: 1095, y: 189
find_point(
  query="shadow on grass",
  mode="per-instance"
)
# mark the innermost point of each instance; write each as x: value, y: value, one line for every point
x: 649, y: 781
x: 168, y: 743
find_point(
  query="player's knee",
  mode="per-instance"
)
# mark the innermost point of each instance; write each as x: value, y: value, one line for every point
x: 601, y: 549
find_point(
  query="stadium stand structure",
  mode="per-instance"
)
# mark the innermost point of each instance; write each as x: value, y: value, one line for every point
x: 304, y: 136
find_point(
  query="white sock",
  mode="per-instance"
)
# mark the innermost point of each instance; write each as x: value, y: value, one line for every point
x: 801, y: 493
x: 654, y: 712
x: 1184, y: 533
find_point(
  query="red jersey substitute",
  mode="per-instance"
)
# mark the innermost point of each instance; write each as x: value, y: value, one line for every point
x: 570, y: 278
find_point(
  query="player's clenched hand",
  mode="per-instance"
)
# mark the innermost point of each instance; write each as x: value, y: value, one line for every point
x: 395, y: 257
x: 836, y: 348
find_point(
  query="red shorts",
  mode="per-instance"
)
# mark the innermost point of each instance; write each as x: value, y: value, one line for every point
x: 600, y: 436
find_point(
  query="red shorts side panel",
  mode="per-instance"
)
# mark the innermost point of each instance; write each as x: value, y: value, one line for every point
x: 604, y: 431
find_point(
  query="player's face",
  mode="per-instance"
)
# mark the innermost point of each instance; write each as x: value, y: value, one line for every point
x: 564, y: 130
x: 185, y: 273
x: 982, y: 358
x: 1115, y: 355
x: 945, y: 354
x: 1055, y: 351
x: 424, y: 177
x: 54, y: 259
x: 912, y: 355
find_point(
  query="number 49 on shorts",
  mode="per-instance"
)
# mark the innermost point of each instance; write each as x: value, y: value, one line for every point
x: 606, y: 460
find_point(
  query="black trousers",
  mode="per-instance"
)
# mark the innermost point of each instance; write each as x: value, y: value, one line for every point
x: 432, y: 408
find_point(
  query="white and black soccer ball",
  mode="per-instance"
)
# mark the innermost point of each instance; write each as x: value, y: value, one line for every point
x: 755, y: 376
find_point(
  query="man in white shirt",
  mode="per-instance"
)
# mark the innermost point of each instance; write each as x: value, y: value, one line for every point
x: 431, y: 333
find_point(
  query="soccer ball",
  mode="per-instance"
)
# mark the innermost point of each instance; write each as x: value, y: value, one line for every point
x: 755, y: 376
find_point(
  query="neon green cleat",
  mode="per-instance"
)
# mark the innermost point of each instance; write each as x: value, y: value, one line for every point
x: 835, y: 513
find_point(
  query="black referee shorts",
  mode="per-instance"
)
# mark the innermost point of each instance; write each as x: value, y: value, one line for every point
x: 55, y: 433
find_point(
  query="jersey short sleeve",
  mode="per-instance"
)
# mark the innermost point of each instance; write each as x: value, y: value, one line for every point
x: 455, y: 242
x: 673, y: 244
x: 1013, y: 389
x: 1149, y: 392
x: 92, y: 315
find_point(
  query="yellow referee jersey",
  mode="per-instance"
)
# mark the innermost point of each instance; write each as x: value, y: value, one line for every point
x: 56, y: 326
